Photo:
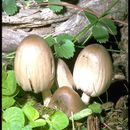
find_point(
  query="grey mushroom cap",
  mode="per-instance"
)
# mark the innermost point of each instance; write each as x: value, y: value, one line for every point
x: 93, y: 70
x: 64, y: 75
x: 67, y: 100
x: 34, y: 64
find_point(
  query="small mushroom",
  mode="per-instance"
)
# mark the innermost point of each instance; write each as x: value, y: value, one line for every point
x: 67, y: 100
x: 34, y: 66
x: 64, y: 76
x: 93, y: 71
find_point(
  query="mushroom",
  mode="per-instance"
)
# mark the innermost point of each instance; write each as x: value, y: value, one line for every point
x: 93, y: 71
x: 67, y: 100
x: 64, y: 76
x: 34, y: 66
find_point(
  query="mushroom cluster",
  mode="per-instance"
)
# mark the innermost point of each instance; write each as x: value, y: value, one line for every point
x: 65, y: 98
x: 35, y: 71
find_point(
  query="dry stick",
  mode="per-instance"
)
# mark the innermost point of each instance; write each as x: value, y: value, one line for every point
x: 121, y: 22
x: 107, y: 126
x: 72, y: 121
x: 76, y: 7
x: 66, y: 5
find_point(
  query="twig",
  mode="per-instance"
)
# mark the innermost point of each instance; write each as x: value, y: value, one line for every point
x: 107, y: 126
x: 62, y: 4
x: 72, y: 121
x: 121, y: 22
x: 78, y: 8
x: 67, y: 5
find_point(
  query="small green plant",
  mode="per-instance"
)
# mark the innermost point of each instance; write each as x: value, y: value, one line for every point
x: 9, y: 88
x: 94, y: 108
x: 9, y: 6
x: 27, y: 118
x: 62, y: 44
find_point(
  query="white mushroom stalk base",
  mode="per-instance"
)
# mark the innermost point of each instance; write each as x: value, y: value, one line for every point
x: 46, y: 95
x: 85, y: 98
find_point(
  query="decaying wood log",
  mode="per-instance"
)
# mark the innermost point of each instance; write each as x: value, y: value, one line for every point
x: 31, y: 20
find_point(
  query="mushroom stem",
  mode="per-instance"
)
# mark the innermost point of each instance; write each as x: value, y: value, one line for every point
x: 46, y: 95
x: 85, y: 98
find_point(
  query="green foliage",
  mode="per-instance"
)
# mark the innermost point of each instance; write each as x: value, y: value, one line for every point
x: 55, y: 8
x: 100, y: 33
x: 27, y: 127
x: 9, y: 83
x: 100, y: 26
x: 9, y: 6
x: 109, y: 24
x: 4, y: 73
x: 31, y: 113
x: 65, y: 50
x: 7, y: 102
x: 63, y: 45
x: 38, y: 123
x: 91, y: 17
x: 9, y: 88
x: 58, y: 121
x: 94, y: 108
x: 50, y: 40
x: 83, y: 113
x: 13, y: 119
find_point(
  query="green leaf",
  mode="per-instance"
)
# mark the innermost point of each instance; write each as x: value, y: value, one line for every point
x: 100, y: 33
x: 9, y: 86
x: 27, y: 127
x: 91, y: 17
x: 109, y: 24
x: 58, y: 121
x: 9, y: 6
x: 83, y: 113
x: 11, y: 126
x: 66, y: 50
x: 63, y: 36
x: 95, y: 107
x: 31, y: 113
x: 55, y: 8
x: 4, y: 125
x: 4, y: 74
x: 7, y: 102
x: 50, y: 40
x: 14, y: 116
x: 38, y: 123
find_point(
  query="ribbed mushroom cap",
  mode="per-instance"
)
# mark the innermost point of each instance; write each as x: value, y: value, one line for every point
x: 34, y: 64
x: 93, y: 70
x: 64, y: 76
x: 67, y: 100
